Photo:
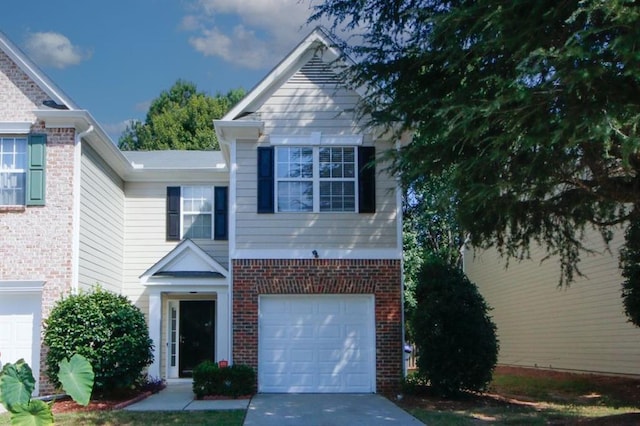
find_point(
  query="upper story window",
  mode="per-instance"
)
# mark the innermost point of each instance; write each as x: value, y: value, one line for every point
x: 316, y: 176
x: 312, y: 179
x: 197, y: 211
x: 13, y: 171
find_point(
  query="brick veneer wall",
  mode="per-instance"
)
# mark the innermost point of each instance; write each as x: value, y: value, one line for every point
x: 382, y: 278
x: 37, y: 241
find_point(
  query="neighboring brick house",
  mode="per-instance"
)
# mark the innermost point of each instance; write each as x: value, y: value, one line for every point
x: 282, y: 251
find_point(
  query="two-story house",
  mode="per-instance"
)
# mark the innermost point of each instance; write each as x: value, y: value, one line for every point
x: 281, y: 251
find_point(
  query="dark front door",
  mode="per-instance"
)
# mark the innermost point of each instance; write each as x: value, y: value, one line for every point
x: 196, y: 334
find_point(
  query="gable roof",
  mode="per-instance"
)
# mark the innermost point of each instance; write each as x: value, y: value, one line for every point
x: 316, y: 50
x: 186, y: 260
x: 36, y: 74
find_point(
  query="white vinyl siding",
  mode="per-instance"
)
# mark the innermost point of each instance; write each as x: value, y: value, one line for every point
x: 320, y: 230
x: 145, y: 239
x: 581, y: 327
x: 101, y: 224
x: 309, y: 102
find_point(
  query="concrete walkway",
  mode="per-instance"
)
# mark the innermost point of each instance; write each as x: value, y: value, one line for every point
x: 179, y: 396
x: 326, y: 410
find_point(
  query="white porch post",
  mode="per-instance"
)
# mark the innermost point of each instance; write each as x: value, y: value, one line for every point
x: 155, y: 317
x: 222, y: 325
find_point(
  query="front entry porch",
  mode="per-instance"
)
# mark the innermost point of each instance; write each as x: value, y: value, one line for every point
x: 189, y: 311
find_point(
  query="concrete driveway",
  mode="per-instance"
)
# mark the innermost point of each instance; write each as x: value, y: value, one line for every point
x: 325, y: 410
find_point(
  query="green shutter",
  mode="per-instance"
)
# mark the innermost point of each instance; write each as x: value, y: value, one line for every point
x: 36, y: 156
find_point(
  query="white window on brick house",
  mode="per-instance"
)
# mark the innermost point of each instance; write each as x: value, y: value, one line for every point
x: 13, y: 170
x: 312, y: 179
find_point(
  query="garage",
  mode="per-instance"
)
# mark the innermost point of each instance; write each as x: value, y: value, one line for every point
x: 316, y: 343
x: 20, y: 319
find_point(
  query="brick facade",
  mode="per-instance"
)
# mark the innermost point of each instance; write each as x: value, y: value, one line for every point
x: 37, y: 241
x: 382, y: 278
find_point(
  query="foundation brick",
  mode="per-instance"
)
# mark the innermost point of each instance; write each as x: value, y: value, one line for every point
x: 382, y: 278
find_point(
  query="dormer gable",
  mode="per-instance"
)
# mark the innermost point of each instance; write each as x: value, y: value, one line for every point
x: 186, y: 260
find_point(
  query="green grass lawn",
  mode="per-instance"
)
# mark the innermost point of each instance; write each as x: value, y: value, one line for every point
x: 534, y: 400
x: 119, y: 417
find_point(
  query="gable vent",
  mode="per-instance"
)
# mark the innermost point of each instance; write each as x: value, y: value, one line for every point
x: 315, y: 71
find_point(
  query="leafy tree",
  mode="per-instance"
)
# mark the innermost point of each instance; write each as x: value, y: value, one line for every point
x: 532, y: 106
x: 180, y: 118
x: 453, y: 332
x: 430, y: 229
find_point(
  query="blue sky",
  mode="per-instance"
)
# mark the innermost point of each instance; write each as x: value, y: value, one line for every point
x: 112, y: 58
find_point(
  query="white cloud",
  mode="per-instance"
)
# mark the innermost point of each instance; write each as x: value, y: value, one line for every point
x: 262, y: 31
x: 55, y: 50
x: 115, y: 130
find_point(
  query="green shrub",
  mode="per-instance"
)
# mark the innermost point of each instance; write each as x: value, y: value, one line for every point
x: 107, y: 329
x: 630, y: 265
x: 236, y: 380
x: 455, y: 336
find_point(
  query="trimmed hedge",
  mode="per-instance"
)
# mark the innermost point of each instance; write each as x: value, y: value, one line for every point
x: 234, y: 381
x: 107, y: 329
x: 455, y: 336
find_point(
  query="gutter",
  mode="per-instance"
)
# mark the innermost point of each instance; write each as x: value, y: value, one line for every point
x: 75, y: 241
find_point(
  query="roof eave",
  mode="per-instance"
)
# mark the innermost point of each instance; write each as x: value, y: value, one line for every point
x: 36, y: 74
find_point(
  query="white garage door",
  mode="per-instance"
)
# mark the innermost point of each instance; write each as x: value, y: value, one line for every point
x: 20, y: 329
x: 316, y: 344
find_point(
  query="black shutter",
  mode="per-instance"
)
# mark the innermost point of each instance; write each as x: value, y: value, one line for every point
x: 173, y: 213
x: 366, y: 179
x: 220, y: 215
x: 265, y: 180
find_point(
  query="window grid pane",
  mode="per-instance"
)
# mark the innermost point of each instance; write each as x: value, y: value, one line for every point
x: 337, y: 179
x: 295, y: 196
x: 13, y: 170
x: 334, y: 180
x: 295, y: 163
x: 197, y: 211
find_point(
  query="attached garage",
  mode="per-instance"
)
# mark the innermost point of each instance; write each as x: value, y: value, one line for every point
x: 20, y: 317
x: 316, y: 343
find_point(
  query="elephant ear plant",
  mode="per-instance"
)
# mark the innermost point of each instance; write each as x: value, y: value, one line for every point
x: 17, y: 384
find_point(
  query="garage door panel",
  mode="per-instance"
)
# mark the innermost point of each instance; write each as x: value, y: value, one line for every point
x: 302, y: 332
x: 329, y: 331
x: 20, y: 329
x: 330, y: 344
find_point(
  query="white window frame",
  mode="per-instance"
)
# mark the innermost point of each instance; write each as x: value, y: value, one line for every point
x: 316, y: 179
x: 184, y: 212
x: 6, y: 169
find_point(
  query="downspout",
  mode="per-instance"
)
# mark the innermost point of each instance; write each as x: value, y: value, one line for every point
x: 75, y: 240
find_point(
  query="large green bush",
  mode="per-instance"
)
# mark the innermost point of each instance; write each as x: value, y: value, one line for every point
x: 630, y: 264
x: 107, y: 329
x: 455, y: 337
x: 236, y: 380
